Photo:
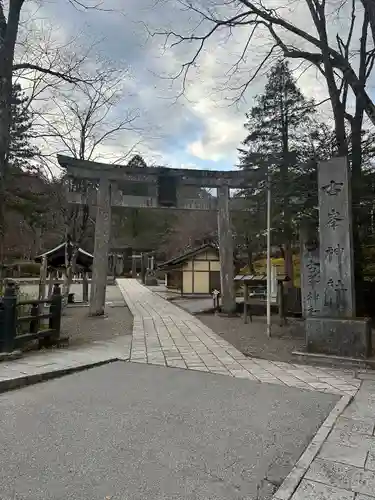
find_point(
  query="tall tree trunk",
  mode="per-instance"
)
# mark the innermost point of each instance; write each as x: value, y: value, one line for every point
x: 288, y: 233
x: 8, y: 37
x: 357, y: 215
x: 318, y: 15
x: 356, y: 178
x: 369, y: 6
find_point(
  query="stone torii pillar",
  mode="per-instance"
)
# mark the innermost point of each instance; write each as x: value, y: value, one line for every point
x: 228, y: 297
x: 102, y: 235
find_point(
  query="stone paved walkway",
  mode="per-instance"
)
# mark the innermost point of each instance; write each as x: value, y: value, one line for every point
x: 339, y: 463
x: 164, y: 334
x: 59, y: 360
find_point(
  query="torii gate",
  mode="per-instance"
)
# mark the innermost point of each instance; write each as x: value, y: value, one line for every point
x: 106, y: 186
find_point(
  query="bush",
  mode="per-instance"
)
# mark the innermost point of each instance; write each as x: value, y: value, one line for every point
x: 27, y: 269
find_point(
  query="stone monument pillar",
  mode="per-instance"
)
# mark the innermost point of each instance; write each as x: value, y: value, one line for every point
x: 336, y: 235
x: 310, y: 273
x: 334, y: 329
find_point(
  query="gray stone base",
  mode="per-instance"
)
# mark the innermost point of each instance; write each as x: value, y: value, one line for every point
x: 8, y: 356
x: 339, y: 336
x: 151, y: 281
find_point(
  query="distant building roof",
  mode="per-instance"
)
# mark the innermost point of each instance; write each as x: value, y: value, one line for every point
x: 186, y: 256
x: 56, y: 257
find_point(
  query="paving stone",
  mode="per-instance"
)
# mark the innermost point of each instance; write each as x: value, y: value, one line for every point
x: 309, y: 490
x: 355, y: 440
x: 342, y: 476
x: 350, y: 425
x: 358, y: 412
x: 319, y: 385
x: 222, y: 372
x: 288, y: 380
x: 157, y: 362
x: 344, y: 454
x: 175, y: 364
x: 276, y: 381
x: 370, y: 462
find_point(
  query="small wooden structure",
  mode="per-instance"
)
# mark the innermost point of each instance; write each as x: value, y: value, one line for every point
x: 55, y: 259
x: 196, y: 272
x: 253, y: 281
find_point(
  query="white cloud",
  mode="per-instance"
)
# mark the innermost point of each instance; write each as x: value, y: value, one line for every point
x: 202, y: 123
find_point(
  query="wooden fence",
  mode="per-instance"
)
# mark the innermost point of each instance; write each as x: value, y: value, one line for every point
x: 13, y: 326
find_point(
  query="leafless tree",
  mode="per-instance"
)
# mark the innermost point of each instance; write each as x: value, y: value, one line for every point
x: 336, y: 61
x: 83, y: 121
x: 190, y: 230
x: 80, y: 123
x: 10, y: 67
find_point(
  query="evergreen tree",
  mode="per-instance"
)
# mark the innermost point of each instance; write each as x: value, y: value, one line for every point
x: 279, y: 134
x: 21, y: 179
x: 26, y: 191
x: 21, y: 151
x: 137, y: 161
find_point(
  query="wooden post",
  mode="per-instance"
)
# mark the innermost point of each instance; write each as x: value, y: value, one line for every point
x: 134, y: 266
x: 102, y: 234
x: 52, y: 274
x: 55, y: 310
x: 246, y: 303
x: 281, y: 303
x: 9, y: 319
x: 34, y: 323
x: 43, y: 279
x: 114, y: 266
x: 228, y: 301
x: 85, y: 287
x: 143, y: 267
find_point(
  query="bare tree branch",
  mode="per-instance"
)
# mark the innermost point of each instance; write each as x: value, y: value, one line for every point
x: 86, y: 119
x: 322, y: 54
x: 63, y: 76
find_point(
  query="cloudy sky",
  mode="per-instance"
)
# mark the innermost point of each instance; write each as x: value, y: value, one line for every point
x: 201, y: 128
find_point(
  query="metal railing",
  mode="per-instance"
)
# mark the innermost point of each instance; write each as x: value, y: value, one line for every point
x: 12, y: 325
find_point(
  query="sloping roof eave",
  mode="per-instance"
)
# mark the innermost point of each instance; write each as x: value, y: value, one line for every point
x: 187, y: 255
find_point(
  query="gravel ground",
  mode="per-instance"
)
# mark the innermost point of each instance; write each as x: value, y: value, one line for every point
x: 139, y: 432
x: 82, y: 329
x: 251, y: 339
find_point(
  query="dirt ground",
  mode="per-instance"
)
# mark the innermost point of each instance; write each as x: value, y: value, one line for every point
x: 83, y: 329
x: 252, y: 340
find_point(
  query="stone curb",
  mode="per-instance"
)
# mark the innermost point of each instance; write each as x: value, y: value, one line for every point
x: 10, y: 356
x: 19, y: 382
x: 291, y: 482
x: 336, y: 361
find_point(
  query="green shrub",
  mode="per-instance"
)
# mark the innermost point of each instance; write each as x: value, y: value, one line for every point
x: 29, y: 269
